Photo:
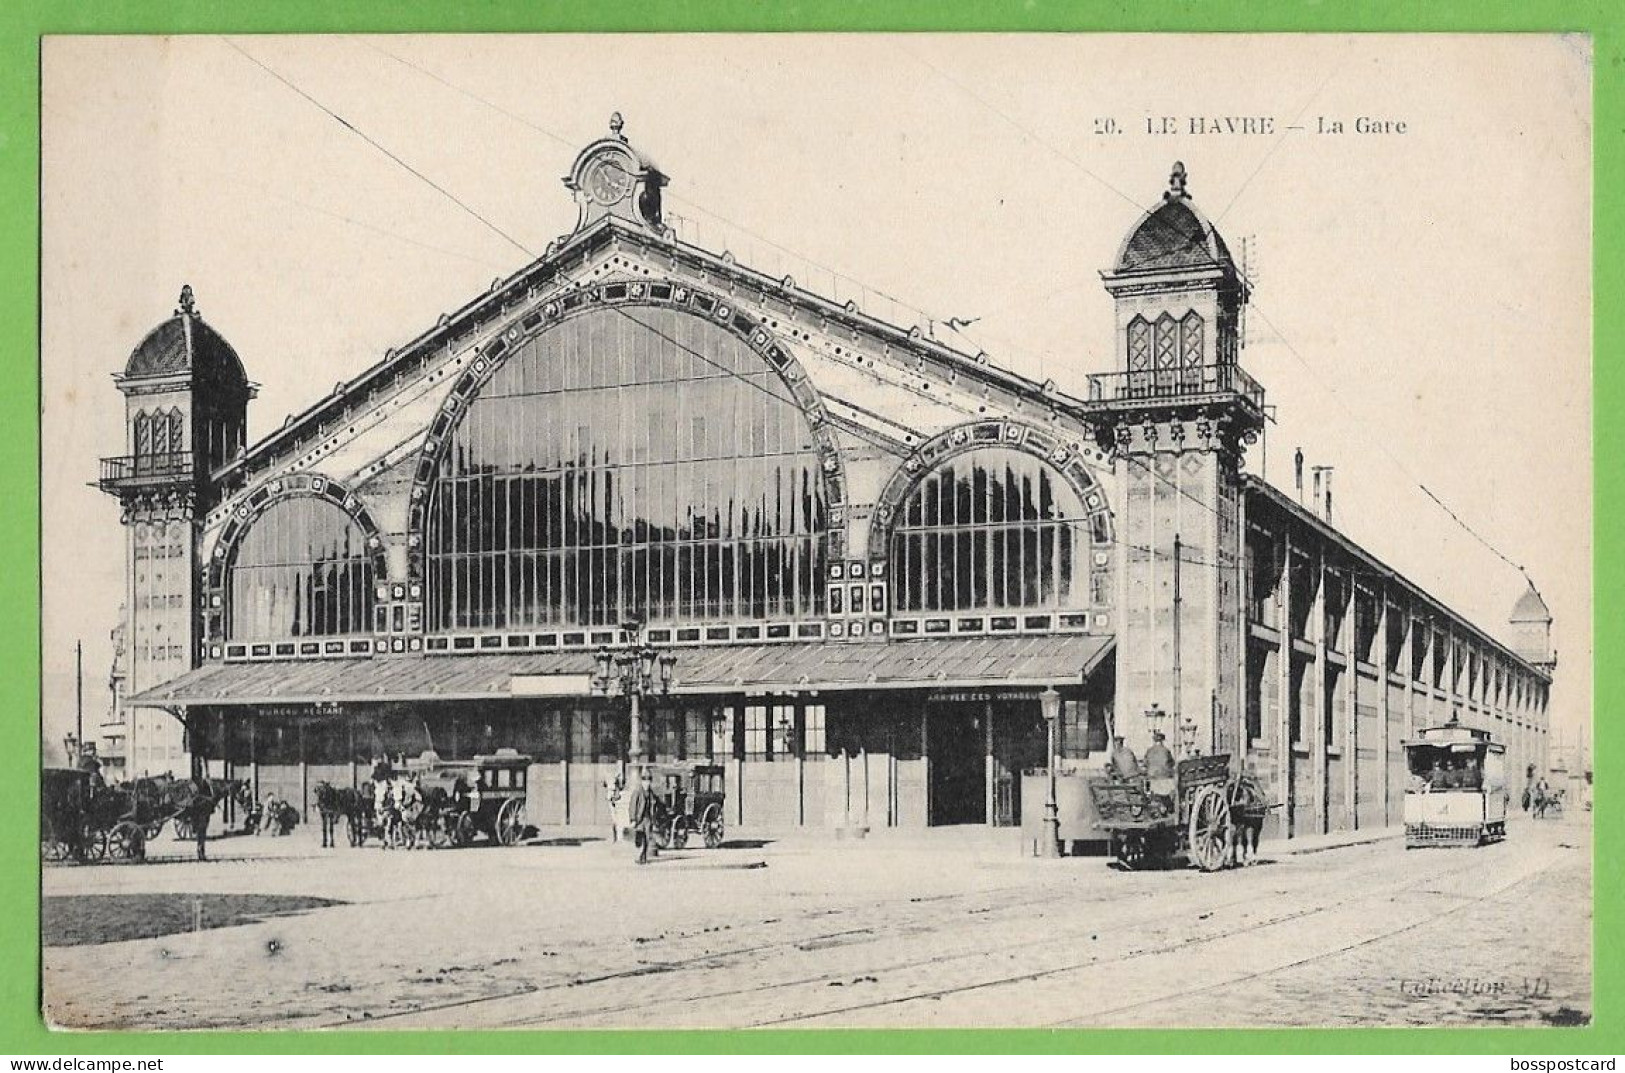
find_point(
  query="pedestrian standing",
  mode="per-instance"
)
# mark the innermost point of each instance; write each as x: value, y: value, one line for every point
x: 641, y: 808
x: 615, y: 794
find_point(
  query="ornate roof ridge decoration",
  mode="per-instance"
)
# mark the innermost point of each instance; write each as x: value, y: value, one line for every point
x: 652, y: 292
x: 248, y: 510
x: 1065, y: 458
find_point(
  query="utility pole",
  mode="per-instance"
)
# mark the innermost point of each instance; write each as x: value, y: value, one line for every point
x: 79, y: 693
x: 1178, y: 712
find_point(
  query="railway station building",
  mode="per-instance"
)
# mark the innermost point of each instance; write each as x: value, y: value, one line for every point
x: 875, y: 575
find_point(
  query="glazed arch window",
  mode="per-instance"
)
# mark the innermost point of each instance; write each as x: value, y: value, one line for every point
x: 640, y: 461
x: 302, y: 569
x: 992, y: 529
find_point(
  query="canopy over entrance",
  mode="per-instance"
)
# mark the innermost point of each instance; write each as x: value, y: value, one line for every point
x: 768, y: 668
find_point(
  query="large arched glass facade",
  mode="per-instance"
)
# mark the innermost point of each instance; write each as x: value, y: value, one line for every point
x: 301, y: 570
x: 638, y: 461
x: 993, y: 529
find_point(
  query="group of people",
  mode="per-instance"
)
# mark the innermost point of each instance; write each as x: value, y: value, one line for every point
x: 1451, y: 774
x: 634, y: 809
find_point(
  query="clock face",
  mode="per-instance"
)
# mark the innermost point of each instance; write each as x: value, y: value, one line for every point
x: 608, y: 182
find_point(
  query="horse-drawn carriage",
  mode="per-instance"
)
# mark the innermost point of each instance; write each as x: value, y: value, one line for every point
x: 482, y: 796
x: 89, y: 821
x: 690, y: 798
x: 1203, y: 812
x: 434, y: 802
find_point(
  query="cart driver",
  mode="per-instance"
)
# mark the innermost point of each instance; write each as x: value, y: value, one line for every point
x: 1159, y: 767
x: 1123, y: 763
x: 1159, y: 762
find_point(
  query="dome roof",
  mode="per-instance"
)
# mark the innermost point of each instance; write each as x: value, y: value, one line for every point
x: 1174, y: 236
x: 185, y: 343
x: 1530, y: 608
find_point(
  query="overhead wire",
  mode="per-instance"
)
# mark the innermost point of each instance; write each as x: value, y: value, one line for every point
x: 1325, y: 385
x: 522, y: 247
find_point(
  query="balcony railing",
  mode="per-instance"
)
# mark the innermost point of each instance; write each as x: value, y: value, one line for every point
x: 1152, y: 385
x: 131, y: 471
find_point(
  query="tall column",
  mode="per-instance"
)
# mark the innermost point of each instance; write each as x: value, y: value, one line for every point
x: 1316, y: 731
x: 1288, y: 767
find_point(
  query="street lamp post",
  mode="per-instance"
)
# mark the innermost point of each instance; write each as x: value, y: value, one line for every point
x: 633, y: 669
x: 1049, y: 702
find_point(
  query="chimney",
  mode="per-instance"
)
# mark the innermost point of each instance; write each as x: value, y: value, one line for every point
x: 1297, y: 473
x: 1323, y: 492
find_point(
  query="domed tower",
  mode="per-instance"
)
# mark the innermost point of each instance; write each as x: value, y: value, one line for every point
x: 1176, y: 414
x: 186, y: 413
x: 1531, y: 623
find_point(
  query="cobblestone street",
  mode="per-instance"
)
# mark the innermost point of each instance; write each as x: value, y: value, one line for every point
x: 953, y: 928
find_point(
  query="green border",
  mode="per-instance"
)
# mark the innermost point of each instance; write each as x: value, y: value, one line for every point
x: 23, y: 21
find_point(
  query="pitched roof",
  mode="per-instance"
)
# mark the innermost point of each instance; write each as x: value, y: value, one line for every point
x: 1530, y: 608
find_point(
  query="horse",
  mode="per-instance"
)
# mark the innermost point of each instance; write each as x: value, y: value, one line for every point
x: 334, y: 803
x: 191, y: 802
x: 1249, y: 805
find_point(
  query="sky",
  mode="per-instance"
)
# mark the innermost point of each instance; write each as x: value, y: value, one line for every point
x: 1421, y: 313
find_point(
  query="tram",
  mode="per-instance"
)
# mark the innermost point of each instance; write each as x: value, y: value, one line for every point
x: 1458, y: 789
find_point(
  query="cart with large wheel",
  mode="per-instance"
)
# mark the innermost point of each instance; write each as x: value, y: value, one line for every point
x: 1151, y: 822
x: 691, y: 798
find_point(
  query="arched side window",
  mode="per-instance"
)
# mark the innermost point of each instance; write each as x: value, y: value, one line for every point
x: 302, y: 569
x: 1139, y: 357
x: 143, y: 434
x: 991, y: 529
x: 637, y: 461
x: 177, y: 432
x: 1191, y: 351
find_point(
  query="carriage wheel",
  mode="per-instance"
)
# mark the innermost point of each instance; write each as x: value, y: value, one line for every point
x: 462, y: 829
x: 679, y: 833
x: 1210, y: 831
x: 510, y: 821
x: 92, y: 844
x: 182, y: 827
x: 151, y: 830
x: 52, y: 850
x: 127, y: 841
x: 713, y: 827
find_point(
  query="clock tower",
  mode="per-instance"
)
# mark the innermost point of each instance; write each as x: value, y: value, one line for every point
x: 610, y: 178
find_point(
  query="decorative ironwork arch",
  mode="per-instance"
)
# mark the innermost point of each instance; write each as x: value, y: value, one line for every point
x: 1064, y: 458
x: 254, y: 504
x: 661, y: 293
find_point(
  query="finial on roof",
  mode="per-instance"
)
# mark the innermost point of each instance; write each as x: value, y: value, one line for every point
x: 1176, y: 181
x: 615, y: 125
x: 188, y: 305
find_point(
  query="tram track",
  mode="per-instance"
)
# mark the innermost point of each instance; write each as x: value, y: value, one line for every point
x: 1461, y: 903
x: 721, y: 960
